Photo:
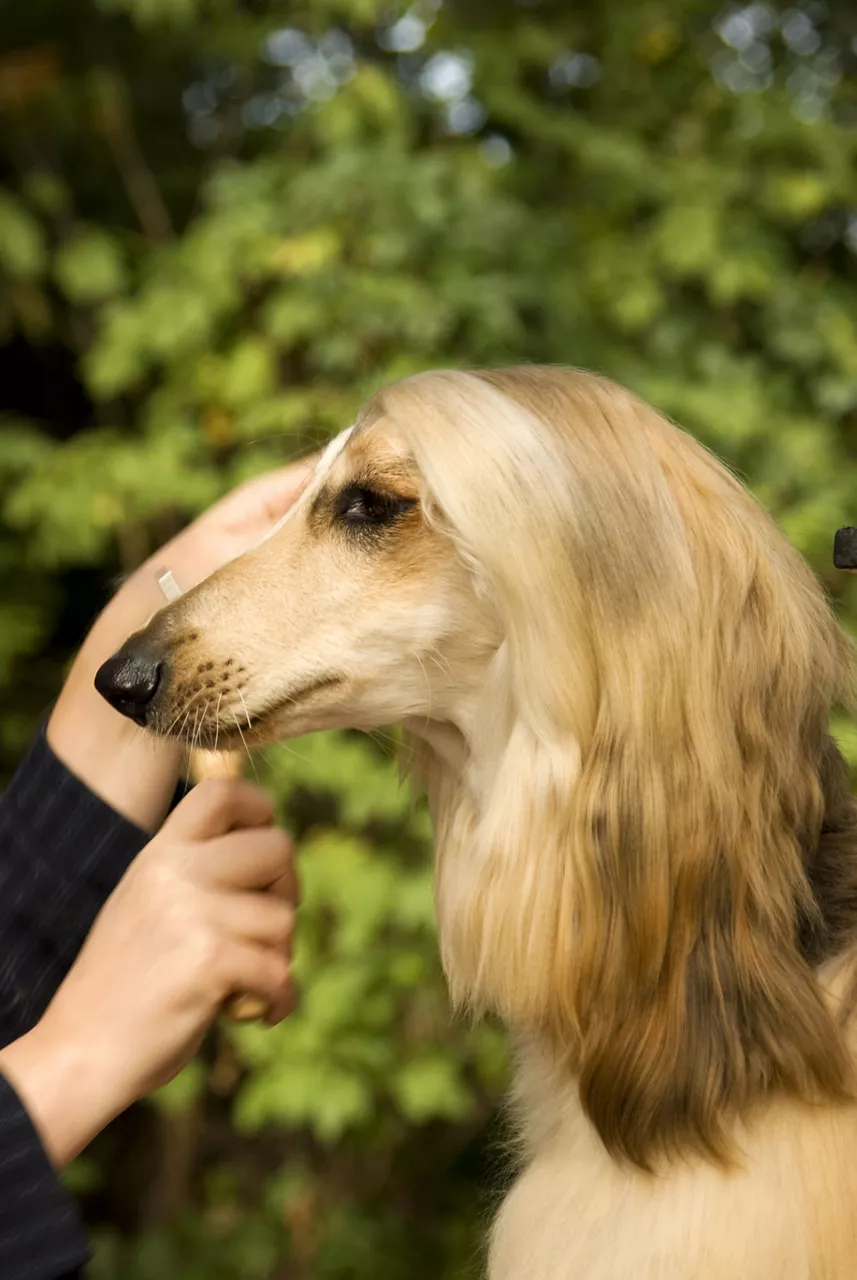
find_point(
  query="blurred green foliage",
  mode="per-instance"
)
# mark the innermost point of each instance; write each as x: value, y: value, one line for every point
x: 222, y: 225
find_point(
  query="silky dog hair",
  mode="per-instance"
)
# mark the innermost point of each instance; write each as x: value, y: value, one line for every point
x: 643, y: 872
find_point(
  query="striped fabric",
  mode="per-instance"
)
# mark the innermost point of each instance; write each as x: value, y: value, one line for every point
x: 62, y: 851
x: 40, y: 1235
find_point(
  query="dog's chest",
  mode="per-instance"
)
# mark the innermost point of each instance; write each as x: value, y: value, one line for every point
x: 789, y: 1213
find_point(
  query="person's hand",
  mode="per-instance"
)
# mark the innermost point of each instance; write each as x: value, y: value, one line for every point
x: 135, y: 773
x: 230, y: 527
x: 206, y: 910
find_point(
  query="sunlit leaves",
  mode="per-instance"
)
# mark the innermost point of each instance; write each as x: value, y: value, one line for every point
x: 152, y: 12
x: 89, y: 266
x: 429, y: 1086
x: 23, y: 251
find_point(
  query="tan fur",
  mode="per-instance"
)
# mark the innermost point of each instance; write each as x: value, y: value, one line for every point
x: 615, y: 675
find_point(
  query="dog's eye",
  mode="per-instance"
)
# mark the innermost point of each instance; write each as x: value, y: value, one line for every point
x: 358, y: 505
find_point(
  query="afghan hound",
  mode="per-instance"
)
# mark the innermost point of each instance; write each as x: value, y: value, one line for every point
x: 615, y: 676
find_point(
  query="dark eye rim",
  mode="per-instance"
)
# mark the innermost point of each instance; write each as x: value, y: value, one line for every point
x: 361, y: 506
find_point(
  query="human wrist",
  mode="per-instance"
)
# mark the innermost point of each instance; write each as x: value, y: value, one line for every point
x: 66, y: 1088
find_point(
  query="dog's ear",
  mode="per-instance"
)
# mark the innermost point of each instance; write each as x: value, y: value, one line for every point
x: 699, y: 798
x: 640, y: 900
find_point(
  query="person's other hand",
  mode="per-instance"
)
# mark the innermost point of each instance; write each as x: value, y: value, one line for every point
x: 232, y: 526
x: 135, y: 773
x: 205, y: 911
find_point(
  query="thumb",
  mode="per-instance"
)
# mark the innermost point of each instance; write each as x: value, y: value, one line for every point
x: 217, y: 806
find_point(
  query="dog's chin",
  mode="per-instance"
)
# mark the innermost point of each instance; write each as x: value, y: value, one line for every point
x: 303, y: 709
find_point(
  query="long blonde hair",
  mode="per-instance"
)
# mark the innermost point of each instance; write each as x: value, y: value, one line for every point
x: 624, y: 868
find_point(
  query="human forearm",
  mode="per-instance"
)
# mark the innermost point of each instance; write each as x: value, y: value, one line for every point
x: 132, y: 772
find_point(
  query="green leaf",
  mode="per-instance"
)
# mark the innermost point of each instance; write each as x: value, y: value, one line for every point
x: 89, y: 266
x: 182, y: 1091
x: 23, y: 252
x: 430, y: 1087
x: 317, y: 1094
x: 247, y: 372
x: 688, y: 237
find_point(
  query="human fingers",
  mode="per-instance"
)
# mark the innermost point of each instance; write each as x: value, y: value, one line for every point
x: 257, y: 918
x: 255, y: 858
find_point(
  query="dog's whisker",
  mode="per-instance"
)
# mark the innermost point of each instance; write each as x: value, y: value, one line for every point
x: 246, y: 748
x: 384, y: 739
x: 429, y: 690
x: 183, y: 724
x: 246, y: 712
x: 409, y: 747
x: 198, y: 722
x: 217, y: 720
x: 286, y: 746
x: 443, y: 664
x: 184, y: 710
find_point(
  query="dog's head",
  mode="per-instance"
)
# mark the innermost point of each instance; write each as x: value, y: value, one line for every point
x: 355, y: 611
x: 619, y: 674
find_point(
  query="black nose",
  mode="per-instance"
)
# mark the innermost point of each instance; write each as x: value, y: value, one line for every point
x: 129, y: 682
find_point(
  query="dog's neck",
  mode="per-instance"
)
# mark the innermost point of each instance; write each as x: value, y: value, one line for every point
x: 460, y: 736
x: 444, y: 739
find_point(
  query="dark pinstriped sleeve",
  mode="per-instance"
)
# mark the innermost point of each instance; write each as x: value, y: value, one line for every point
x: 40, y: 1235
x: 62, y: 852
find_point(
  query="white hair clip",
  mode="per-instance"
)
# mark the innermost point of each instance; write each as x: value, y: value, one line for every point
x: 169, y: 587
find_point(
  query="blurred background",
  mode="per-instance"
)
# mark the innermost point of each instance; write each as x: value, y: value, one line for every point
x: 222, y: 225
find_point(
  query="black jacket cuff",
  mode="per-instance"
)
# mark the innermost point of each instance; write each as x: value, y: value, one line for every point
x: 41, y: 1236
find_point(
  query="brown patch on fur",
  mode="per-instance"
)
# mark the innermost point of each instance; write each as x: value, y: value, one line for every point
x: 831, y: 864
